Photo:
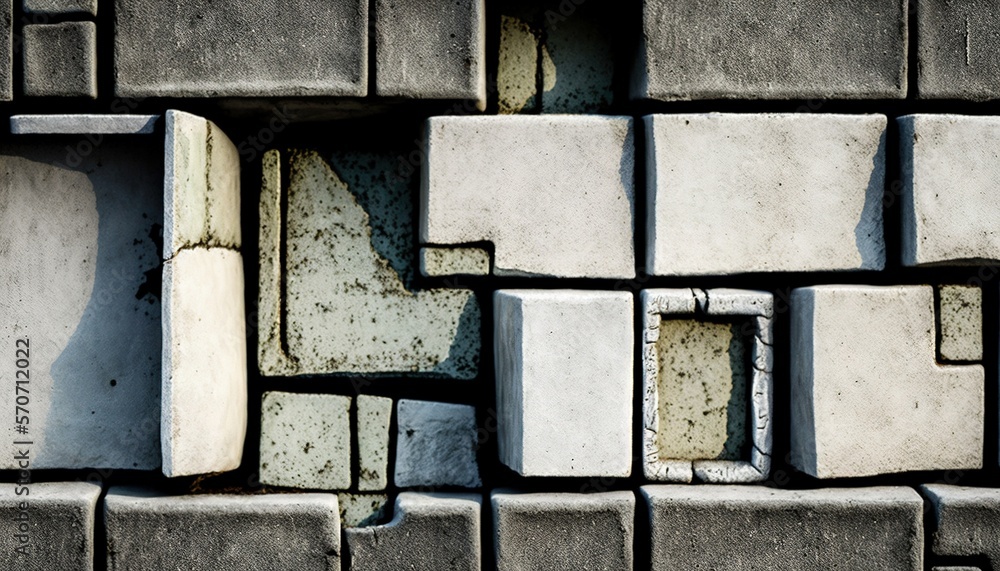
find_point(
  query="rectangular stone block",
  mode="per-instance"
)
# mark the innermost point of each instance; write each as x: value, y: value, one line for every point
x: 515, y: 181
x: 305, y: 441
x: 221, y: 532
x: 48, y: 526
x: 751, y: 49
x: 60, y: 60
x: 958, y: 50
x: 752, y: 527
x: 431, y: 50
x: 965, y: 522
x: 454, y: 261
x: 6, y: 50
x: 564, y: 381
x: 960, y: 320
x: 550, y: 532
x: 60, y: 7
x: 727, y: 191
x: 83, y: 124
x: 864, y: 363
x: 518, y: 60
x: 436, y: 445
x: 373, y: 417
x: 247, y: 49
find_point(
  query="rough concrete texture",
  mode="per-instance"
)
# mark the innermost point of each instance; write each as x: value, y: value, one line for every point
x: 428, y: 532
x: 305, y: 441
x: 749, y: 49
x: 436, y: 445
x: 958, y: 50
x: 221, y: 532
x: 965, y: 521
x: 753, y: 527
x: 248, y: 49
x: 517, y: 70
x: 863, y: 363
x: 948, y: 205
x: 960, y: 318
x: 48, y: 526
x: 60, y: 7
x: 431, y: 50
x: 454, y: 261
x: 564, y: 381
x: 79, y: 271
x: 725, y: 191
x: 6, y: 50
x: 349, y: 305
x: 563, y: 532
x: 519, y: 188
x: 83, y: 124
x: 361, y: 510
x: 60, y: 60
x: 373, y: 416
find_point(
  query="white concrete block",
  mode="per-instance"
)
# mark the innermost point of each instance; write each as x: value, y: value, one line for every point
x: 736, y: 193
x: 863, y: 364
x: 960, y: 319
x: 373, y: 416
x: 564, y: 381
x: 436, y: 445
x: 305, y: 441
x: 83, y: 124
x: 518, y: 182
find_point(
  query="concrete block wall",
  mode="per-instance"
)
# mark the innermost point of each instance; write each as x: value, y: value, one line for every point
x: 497, y: 284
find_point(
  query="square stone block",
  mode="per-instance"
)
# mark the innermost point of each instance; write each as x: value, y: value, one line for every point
x: 48, y: 526
x: 305, y: 441
x: 965, y: 522
x: 60, y: 60
x: 436, y: 445
x: 958, y: 50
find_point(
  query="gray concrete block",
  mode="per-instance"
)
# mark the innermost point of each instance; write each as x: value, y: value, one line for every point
x: 305, y: 441
x: 342, y: 300
x: 960, y: 320
x: 563, y: 532
x: 60, y: 60
x: 965, y: 521
x: 60, y: 7
x: 83, y: 124
x: 431, y: 50
x: 428, y: 532
x: 221, y: 532
x: 373, y: 418
x: 6, y: 50
x: 360, y: 510
x: 958, y: 50
x: 248, y: 49
x: 436, y: 445
x: 748, y: 49
x: 48, y: 526
x: 750, y: 527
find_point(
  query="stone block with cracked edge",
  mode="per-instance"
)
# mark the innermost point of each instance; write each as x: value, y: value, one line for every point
x: 221, y: 532
x: 459, y: 261
x: 60, y: 7
x: 436, y: 445
x: 965, y: 522
x: 726, y: 191
x: 515, y: 181
x: 256, y: 50
x: 564, y: 381
x: 431, y: 50
x: 960, y: 318
x: 753, y: 527
x: 83, y: 124
x: 361, y: 510
x: 711, y: 425
x: 428, y: 532
x: 305, y: 441
x: 373, y: 419
x: 863, y: 362
x: 749, y: 49
x: 948, y: 205
x: 958, y: 50
x: 48, y: 527
x: 60, y: 60
x: 349, y: 234
x: 563, y: 532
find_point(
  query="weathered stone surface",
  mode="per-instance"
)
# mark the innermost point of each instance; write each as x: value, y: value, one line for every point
x: 578, y: 76
x: 726, y: 191
x: 6, y: 50
x: 60, y: 7
x: 958, y: 50
x: 60, y: 60
x: 517, y: 71
x: 48, y: 526
x: 966, y: 521
x: 564, y: 381
x: 360, y: 510
x: 429, y: 532
x: 748, y: 49
x: 949, y: 207
x: 83, y: 124
x: 79, y: 271
x: 436, y: 445
x: 753, y: 527
x: 863, y: 363
x: 562, y: 532
x: 247, y: 49
x: 221, y: 532
x: 960, y: 316
x: 305, y: 441
x: 349, y: 305
x: 454, y: 261
x: 515, y: 181
x: 431, y: 50
x: 374, y: 414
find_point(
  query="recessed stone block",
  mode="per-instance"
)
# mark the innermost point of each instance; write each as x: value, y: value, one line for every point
x: 373, y: 417
x: 965, y: 522
x: 305, y: 441
x: 60, y: 60
x: 48, y: 526
x: 6, y: 50
x: 960, y: 320
x: 436, y: 445
x: 454, y: 261
x: 517, y: 71
x: 60, y: 7
x: 958, y: 50
x: 361, y: 510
